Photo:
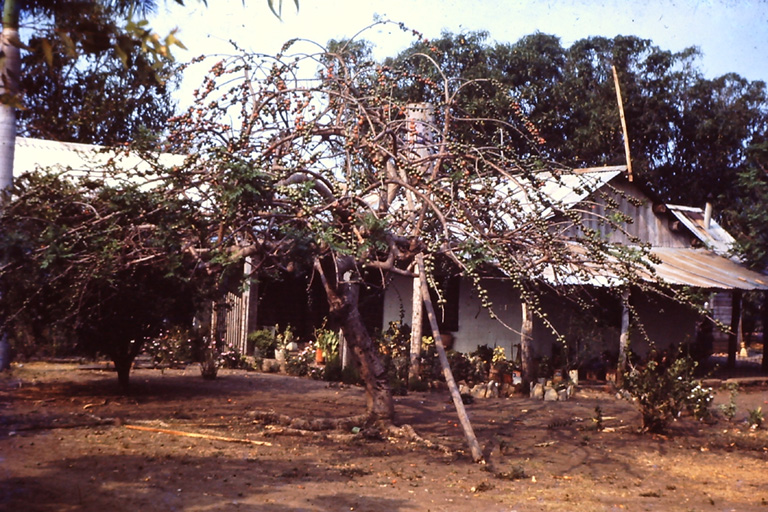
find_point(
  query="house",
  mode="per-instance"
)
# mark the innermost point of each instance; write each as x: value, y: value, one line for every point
x: 691, y: 250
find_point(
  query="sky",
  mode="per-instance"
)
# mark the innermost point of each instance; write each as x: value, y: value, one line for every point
x: 731, y: 34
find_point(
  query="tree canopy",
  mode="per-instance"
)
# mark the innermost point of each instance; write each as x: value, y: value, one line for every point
x: 689, y: 135
x: 104, y: 92
x: 313, y: 161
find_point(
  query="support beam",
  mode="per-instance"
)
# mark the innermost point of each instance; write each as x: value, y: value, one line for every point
x: 733, y: 335
x: 526, y: 342
x: 764, y: 365
x: 623, y: 338
x: 469, y: 434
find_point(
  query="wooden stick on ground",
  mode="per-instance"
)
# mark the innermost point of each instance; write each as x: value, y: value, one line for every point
x: 197, y: 435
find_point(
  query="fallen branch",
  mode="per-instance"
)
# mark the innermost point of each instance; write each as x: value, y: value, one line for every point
x: 94, y: 422
x: 197, y: 435
x: 409, y: 434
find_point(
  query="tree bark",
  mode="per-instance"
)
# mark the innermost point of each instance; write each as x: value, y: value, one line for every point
x: 414, y: 368
x: 526, y: 342
x: 123, y: 368
x: 623, y: 339
x: 343, y: 301
x: 9, y: 89
x: 469, y: 434
x: 764, y: 365
x: 11, y: 72
x: 733, y: 336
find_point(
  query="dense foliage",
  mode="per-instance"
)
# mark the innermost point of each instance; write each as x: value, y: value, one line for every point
x: 95, y: 266
x: 83, y: 88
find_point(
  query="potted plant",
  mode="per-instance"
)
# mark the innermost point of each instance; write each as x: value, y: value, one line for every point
x: 498, y: 365
x: 327, y: 343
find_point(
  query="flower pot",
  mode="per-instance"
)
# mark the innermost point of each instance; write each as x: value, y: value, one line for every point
x: 447, y: 340
x: 319, y: 358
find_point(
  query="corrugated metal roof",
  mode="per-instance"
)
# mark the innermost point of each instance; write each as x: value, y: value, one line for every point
x: 31, y: 154
x: 703, y: 268
x: 564, y: 189
x: 698, y: 268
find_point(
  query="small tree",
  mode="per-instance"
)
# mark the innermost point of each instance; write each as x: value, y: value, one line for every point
x: 332, y: 174
x: 100, y: 265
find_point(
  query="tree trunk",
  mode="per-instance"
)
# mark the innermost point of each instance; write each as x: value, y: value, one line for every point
x: 123, y: 368
x: 733, y: 336
x: 378, y: 394
x: 623, y: 339
x: 414, y: 368
x: 764, y: 365
x: 9, y: 90
x: 469, y: 434
x: 343, y: 301
x: 526, y: 342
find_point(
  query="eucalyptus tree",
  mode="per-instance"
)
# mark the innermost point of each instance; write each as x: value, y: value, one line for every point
x: 312, y: 161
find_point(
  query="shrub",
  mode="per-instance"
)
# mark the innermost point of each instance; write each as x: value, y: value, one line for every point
x: 729, y: 409
x: 755, y: 418
x: 662, y: 389
x: 172, y: 347
x: 232, y: 359
x: 264, y: 341
x: 333, y: 370
x: 299, y: 363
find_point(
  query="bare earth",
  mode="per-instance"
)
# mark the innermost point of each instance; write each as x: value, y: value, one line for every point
x: 66, y: 444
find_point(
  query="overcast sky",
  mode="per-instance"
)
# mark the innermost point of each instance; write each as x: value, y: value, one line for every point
x: 732, y: 34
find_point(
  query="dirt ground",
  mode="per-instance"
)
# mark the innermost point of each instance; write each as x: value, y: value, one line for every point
x: 68, y: 442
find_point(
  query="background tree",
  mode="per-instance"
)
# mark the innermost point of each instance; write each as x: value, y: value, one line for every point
x: 89, y: 92
x: 98, y: 30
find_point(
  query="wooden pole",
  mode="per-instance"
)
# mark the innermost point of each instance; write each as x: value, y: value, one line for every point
x: 196, y: 435
x: 764, y: 365
x: 526, y: 342
x: 623, y: 338
x: 469, y: 434
x: 623, y: 122
x: 733, y: 336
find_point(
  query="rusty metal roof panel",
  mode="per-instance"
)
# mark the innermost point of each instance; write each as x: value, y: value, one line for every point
x: 702, y: 268
x: 714, y: 237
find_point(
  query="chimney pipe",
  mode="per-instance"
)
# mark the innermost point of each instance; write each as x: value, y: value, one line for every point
x: 707, y: 215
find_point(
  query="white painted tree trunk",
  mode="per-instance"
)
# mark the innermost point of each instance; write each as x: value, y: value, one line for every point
x: 526, y: 343
x: 414, y: 369
x: 9, y: 90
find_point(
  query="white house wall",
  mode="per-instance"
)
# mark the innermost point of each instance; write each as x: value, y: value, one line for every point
x: 476, y: 327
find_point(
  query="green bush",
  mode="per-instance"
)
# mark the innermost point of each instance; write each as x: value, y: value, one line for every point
x: 264, y: 341
x: 333, y: 370
x: 664, y: 388
x: 351, y: 375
